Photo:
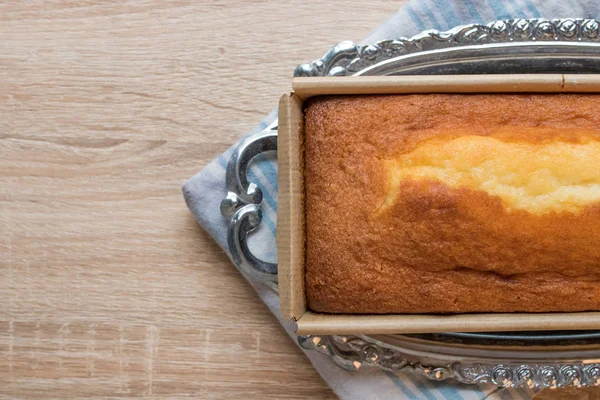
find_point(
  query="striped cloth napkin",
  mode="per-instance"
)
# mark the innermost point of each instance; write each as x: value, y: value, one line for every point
x: 203, y: 194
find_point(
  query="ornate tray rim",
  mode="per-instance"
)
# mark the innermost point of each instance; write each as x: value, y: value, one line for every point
x: 461, y: 357
x: 556, y: 39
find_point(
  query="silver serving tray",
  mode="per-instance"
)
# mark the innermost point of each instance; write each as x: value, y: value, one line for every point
x: 532, y: 359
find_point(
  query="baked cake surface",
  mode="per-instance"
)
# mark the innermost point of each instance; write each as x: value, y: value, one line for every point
x: 452, y: 203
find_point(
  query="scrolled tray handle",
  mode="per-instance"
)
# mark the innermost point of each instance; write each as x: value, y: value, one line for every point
x: 242, y: 205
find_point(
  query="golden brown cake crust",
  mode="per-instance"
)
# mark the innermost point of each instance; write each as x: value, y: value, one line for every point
x: 440, y: 248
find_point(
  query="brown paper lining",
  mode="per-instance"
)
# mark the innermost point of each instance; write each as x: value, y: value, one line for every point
x: 290, y: 218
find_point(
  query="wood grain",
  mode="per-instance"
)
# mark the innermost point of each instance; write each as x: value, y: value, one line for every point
x: 109, y: 288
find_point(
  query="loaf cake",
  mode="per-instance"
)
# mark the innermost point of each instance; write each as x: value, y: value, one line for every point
x: 452, y: 203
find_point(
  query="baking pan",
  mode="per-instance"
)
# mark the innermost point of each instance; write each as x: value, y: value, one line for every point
x: 290, y: 219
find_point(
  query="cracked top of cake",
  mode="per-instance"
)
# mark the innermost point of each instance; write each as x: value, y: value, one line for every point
x: 452, y: 203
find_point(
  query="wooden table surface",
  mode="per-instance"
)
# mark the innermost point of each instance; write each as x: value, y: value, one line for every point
x: 109, y: 287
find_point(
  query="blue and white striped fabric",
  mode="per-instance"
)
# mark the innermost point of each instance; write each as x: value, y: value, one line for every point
x: 204, y: 191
